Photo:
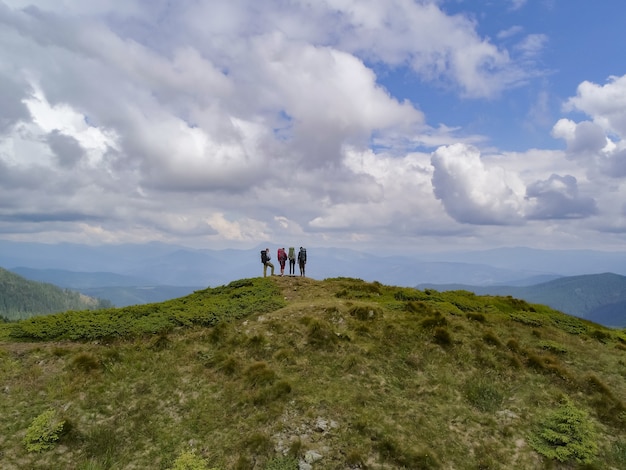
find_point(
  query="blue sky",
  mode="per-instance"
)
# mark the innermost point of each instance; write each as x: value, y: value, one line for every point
x: 389, y: 125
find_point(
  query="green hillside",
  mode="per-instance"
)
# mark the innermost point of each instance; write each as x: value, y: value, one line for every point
x: 287, y: 373
x: 596, y: 297
x: 21, y: 298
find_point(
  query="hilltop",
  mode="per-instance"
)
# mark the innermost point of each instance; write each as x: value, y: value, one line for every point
x: 22, y: 298
x: 277, y: 373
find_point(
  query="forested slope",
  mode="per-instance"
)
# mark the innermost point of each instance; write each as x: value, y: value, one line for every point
x: 21, y: 298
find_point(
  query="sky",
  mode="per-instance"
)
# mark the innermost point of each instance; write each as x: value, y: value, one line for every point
x: 387, y: 125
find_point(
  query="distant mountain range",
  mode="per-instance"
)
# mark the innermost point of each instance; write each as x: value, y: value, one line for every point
x: 135, y: 274
x: 120, y: 290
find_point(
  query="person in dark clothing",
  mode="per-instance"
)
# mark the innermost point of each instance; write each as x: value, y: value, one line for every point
x: 302, y: 260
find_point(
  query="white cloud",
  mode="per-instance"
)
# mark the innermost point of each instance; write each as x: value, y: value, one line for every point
x: 475, y: 194
x: 606, y: 104
x: 247, y: 120
x: 598, y: 144
x: 510, y: 32
x: 558, y: 197
x: 397, y: 194
x: 517, y: 4
x: 437, y: 46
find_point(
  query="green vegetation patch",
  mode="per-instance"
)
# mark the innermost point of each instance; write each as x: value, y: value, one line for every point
x: 567, y: 435
x: 205, y: 308
x: 44, y: 431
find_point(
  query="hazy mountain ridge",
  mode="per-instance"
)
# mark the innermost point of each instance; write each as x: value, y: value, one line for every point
x: 130, y: 274
x: 164, y: 264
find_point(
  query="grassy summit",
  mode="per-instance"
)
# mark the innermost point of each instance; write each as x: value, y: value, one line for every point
x: 334, y: 374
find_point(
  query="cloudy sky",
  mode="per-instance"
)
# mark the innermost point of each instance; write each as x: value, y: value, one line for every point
x: 374, y: 124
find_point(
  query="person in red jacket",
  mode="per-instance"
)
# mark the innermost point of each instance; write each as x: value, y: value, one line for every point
x: 282, y: 259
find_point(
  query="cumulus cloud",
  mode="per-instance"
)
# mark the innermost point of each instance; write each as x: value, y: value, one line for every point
x: 584, y: 139
x: 597, y: 144
x: 472, y: 193
x: 606, y: 104
x: 397, y: 197
x: 241, y: 120
x: 558, y: 198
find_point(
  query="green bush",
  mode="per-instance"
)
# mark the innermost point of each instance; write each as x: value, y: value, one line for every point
x: 44, y: 431
x: 187, y: 460
x: 567, y: 435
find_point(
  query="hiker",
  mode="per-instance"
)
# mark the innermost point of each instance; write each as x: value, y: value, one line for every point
x: 302, y: 260
x: 265, y: 259
x: 282, y: 258
x: 292, y: 261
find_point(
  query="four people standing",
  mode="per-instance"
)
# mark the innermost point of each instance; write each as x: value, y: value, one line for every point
x: 282, y: 257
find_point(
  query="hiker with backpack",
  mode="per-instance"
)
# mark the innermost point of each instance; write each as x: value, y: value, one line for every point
x: 265, y: 259
x: 292, y: 261
x: 302, y: 260
x: 282, y: 258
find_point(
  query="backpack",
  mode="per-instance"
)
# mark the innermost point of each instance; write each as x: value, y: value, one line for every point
x: 263, y: 257
x: 292, y: 253
x: 302, y: 255
x: 282, y: 256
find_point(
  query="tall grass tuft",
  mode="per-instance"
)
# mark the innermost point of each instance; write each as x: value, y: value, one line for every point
x: 483, y: 394
x: 86, y: 362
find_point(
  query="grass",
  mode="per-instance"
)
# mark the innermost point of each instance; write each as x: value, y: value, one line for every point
x: 344, y: 373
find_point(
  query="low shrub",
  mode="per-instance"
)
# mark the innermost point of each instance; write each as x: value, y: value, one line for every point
x: 44, y: 431
x: 409, y: 295
x: 553, y: 347
x: 525, y: 319
x: 600, y: 335
x: 567, y: 435
x: 188, y: 460
x: 418, y: 307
